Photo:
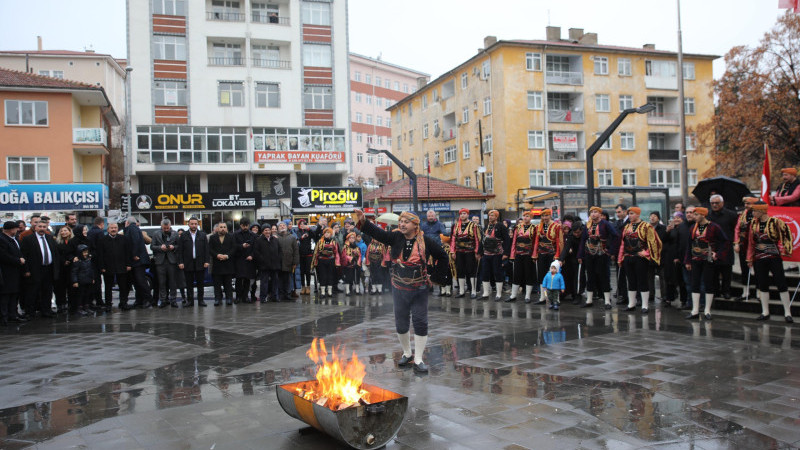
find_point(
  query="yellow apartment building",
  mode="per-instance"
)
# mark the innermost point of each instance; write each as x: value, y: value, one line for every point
x: 540, y: 104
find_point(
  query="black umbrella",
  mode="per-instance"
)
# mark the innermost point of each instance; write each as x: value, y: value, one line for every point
x: 731, y: 189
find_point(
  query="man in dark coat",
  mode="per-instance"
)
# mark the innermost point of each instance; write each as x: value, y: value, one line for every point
x: 112, y: 258
x: 268, y: 256
x: 39, y: 251
x: 138, y: 262
x: 222, y: 249
x: 244, y: 263
x: 727, y: 220
x: 165, y: 258
x: 290, y: 257
x: 193, y: 261
x: 93, y: 240
x: 12, y: 264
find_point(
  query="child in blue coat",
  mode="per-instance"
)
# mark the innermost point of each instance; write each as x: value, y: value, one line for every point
x: 553, y: 285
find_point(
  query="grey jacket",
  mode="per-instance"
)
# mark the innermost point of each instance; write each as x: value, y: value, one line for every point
x: 161, y: 256
x: 290, y: 251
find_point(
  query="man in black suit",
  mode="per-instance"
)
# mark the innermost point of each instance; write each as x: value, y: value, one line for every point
x: 222, y: 249
x: 12, y: 264
x: 139, y: 259
x: 39, y: 251
x: 193, y: 260
x: 112, y: 258
x: 165, y: 259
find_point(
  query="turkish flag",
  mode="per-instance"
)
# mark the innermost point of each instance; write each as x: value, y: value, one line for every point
x: 789, y: 4
x: 765, y: 173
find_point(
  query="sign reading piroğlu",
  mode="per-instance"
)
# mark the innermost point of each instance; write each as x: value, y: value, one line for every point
x: 326, y: 197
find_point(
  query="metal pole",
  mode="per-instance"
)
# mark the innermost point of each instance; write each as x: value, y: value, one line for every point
x: 128, y: 137
x: 592, y: 150
x: 682, y: 118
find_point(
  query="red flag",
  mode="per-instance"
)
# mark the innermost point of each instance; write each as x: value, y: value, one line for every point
x: 789, y: 4
x: 765, y: 174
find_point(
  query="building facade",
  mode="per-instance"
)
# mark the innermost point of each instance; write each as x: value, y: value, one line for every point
x: 539, y: 104
x: 237, y: 96
x: 375, y: 85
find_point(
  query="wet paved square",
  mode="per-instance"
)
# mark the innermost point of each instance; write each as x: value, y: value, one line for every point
x: 510, y: 376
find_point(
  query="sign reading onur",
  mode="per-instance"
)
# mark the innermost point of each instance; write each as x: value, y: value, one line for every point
x: 565, y: 142
x: 299, y: 157
x: 66, y: 197
x: 187, y: 202
x: 326, y: 197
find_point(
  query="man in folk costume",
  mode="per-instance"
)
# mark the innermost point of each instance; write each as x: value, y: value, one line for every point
x: 596, y: 253
x: 707, y: 243
x: 788, y: 193
x: 741, y: 239
x: 377, y: 272
x: 495, y: 238
x: 410, y: 251
x: 549, y: 241
x: 351, y: 261
x: 521, y: 256
x: 450, y: 271
x: 640, y: 245
x: 326, y: 259
x: 769, y: 239
x: 465, y: 245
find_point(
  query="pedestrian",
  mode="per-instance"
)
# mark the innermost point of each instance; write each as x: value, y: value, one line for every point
x: 597, y: 250
x: 193, y: 260
x: 350, y: 261
x: 244, y: 263
x: 376, y: 251
x: 553, y: 285
x: 222, y: 249
x: 571, y: 267
x: 34, y: 220
x: 708, y: 244
x: 788, y: 193
x: 255, y: 229
x: 448, y: 269
x: 549, y: 240
x: 723, y: 268
x: 62, y: 286
x: 12, y: 265
x: 326, y: 261
x: 290, y: 257
x: 769, y: 240
x: 268, y: 256
x: 465, y: 244
x: 640, y: 246
x: 493, y: 253
x: 671, y: 258
x: 93, y: 236
x: 306, y: 237
x: 741, y: 236
x: 410, y: 252
x: 41, y: 269
x: 657, y: 269
x: 164, y: 246
x: 139, y: 260
x: 82, y: 275
x: 522, y: 258
x: 432, y: 227
x: 112, y: 258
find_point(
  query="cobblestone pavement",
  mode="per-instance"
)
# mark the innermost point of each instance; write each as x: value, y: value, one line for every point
x: 502, y: 375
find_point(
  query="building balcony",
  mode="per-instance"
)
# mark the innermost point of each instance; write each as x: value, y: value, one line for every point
x: 270, y: 20
x: 579, y: 155
x: 661, y: 154
x: 223, y: 61
x: 225, y: 16
x: 271, y: 63
x: 564, y: 116
x: 448, y: 134
x: 95, y: 136
x: 660, y: 82
x: 662, y: 118
x: 560, y: 77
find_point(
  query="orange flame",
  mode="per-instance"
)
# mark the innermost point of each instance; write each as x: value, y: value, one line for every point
x: 339, y: 383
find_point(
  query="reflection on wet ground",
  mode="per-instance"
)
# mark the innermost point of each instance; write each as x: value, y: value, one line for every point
x: 502, y: 375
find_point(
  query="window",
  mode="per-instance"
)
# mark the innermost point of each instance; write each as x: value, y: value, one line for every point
x: 169, y: 47
x: 317, y: 97
x: 370, y: 139
x: 396, y: 85
x: 536, y: 177
x: 600, y: 65
x: 691, y: 141
x: 533, y: 61
x: 405, y: 88
x: 368, y: 78
x: 450, y: 154
x: 467, y: 181
x: 602, y: 103
x: 370, y: 159
x: 605, y: 177
x: 436, y: 158
x: 535, y: 100
x: 230, y: 93
x: 535, y: 140
x: 169, y: 7
x: 359, y: 156
x: 388, y: 141
x: 369, y: 119
x: 24, y: 168
x: 316, y: 13
x: 359, y: 138
x: 170, y: 93
x: 388, y: 121
x: 665, y: 178
x: 688, y: 106
x: 567, y: 178
x: 627, y: 141
x: 380, y: 142
x: 378, y: 81
x: 359, y: 117
x: 425, y: 131
x: 464, y: 80
x: 358, y: 97
x: 691, y: 176
x: 489, y: 182
x: 24, y: 112
x: 379, y: 102
x: 688, y: 71
x: 411, y: 137
x: 55, y: 73
x: 399, y: 142
x: 379, y: 121
x: 368, y: 99
x: 358, y: 76
x: 465, y: 114
x: 628, y: 177
x: 625, y: 102
x: 465, y: 150
x: 317, y: 55
x: 435, y: 95
x: 230, y: 55
x: 380, y: 159
x: 387, y: 84
x: 487, y: 144
x: 268, y: 95
x: 487, y: 70
x: 607, y: 144
x: 624, y: 67
x: 660, y: 69
x: 424, y: 101
x: 266, y: 13
x: 487, y: 106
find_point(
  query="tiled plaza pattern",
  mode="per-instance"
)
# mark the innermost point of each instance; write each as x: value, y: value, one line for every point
x: 508, y: 376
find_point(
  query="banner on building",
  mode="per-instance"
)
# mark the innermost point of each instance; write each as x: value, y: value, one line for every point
x: 272, y: 186
x: 298, y: 157
x: 192, y: 202
x: 791, y: 217
x: 423, y: 206
x: 323, y: 198
x: 565, y: 142
x: 52, y: 197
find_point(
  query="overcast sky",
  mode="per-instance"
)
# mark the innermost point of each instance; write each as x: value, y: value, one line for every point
x: 433, y: 36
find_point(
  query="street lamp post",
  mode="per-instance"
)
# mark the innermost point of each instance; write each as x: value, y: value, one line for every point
x: 128, y: 138
x: 412, y: 177
x: 590, y: 152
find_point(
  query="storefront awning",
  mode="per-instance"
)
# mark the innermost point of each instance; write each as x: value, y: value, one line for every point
x: 321, y: 211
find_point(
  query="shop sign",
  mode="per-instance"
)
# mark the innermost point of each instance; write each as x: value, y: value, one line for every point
x: 272, y: 186
x: 298, y: 157
x: 188, y: 202
x: 565, y: 142
x: 423, y: 206
x: 326, y: 197
x: 50, y: 197
x: 381, y: 210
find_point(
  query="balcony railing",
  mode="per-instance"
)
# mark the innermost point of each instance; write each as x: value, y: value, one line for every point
x: 661, y: 154
x: 95, y: 136
x: 661, y: 118
x: 223, y: 61
x: 225, y: 16
x: 274, y: 20
x: 567, y: 156
x: 559, y: 77
x: 564, y: 116
x: 271, y: 63
x: 448, y: 134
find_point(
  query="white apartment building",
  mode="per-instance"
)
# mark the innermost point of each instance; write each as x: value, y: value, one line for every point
x: 237, y: 96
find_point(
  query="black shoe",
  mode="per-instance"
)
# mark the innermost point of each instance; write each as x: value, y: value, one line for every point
x: 685, y: 307
x: 763, y: 317
x: 420, y: 368
x: 576, y: 300
x: 622, y: 301
x: 405, y: 361
x: 788, y: 319
x: 473, y: 295
x: 513, y: 299
x: 707, y: 316
x: 726, y: 296
x: 587, y: 305
x: 148, y: 305
x: 527, y: 300
x: 200, y: 303
x: 173, y: 304
x: 217, y: 302
x: 187, y: 304
x: 459, y: 295
x: 630, y: 308
x: 608, y: 306
x: 645, y: 311
x: 540, y: 302
x: 229, y: 302
x: 693, y: 316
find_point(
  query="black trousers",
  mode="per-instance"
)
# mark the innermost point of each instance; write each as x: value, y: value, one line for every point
x: 8, y: 306
x: 466, y: 265
x: 622, y: 280
x: 350, y: 275
x: 40, y: 294
x: 763, y: 267
x: 284, y: 280
x: 62, y: 288
x: 636, y: 272
x: 122, y: 282
x: 242, y: 286
x: 305, y: 270
x: 411, y: 306
x: 222, y: 282
x: 543, y: 265
x: 269, y: 285
x: 326, y: 272
x: 743, y: 263
x: 702, y: 274
x: 377, y: 273
x: 194, y: 278
x: 598, y: 272
x: 525, y: 271
x: 722, y: 278
x: 140, y: 283
x: 492, y: 268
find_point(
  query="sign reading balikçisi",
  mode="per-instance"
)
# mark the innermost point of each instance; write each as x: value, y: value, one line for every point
x: 199, y: 201
x: 66, y: 197
x: 326, y: 197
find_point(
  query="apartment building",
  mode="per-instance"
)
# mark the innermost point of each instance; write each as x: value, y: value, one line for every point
x: 539, y: 104
x: 237, y: 97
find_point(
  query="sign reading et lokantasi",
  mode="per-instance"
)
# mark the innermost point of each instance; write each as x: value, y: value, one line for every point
x: 326, y: 198
x: 299, y: 157
x: 198, y: 201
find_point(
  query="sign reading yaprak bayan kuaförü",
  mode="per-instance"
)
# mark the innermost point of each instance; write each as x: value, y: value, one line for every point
x: 193, y: 202
x: 323, y: 198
